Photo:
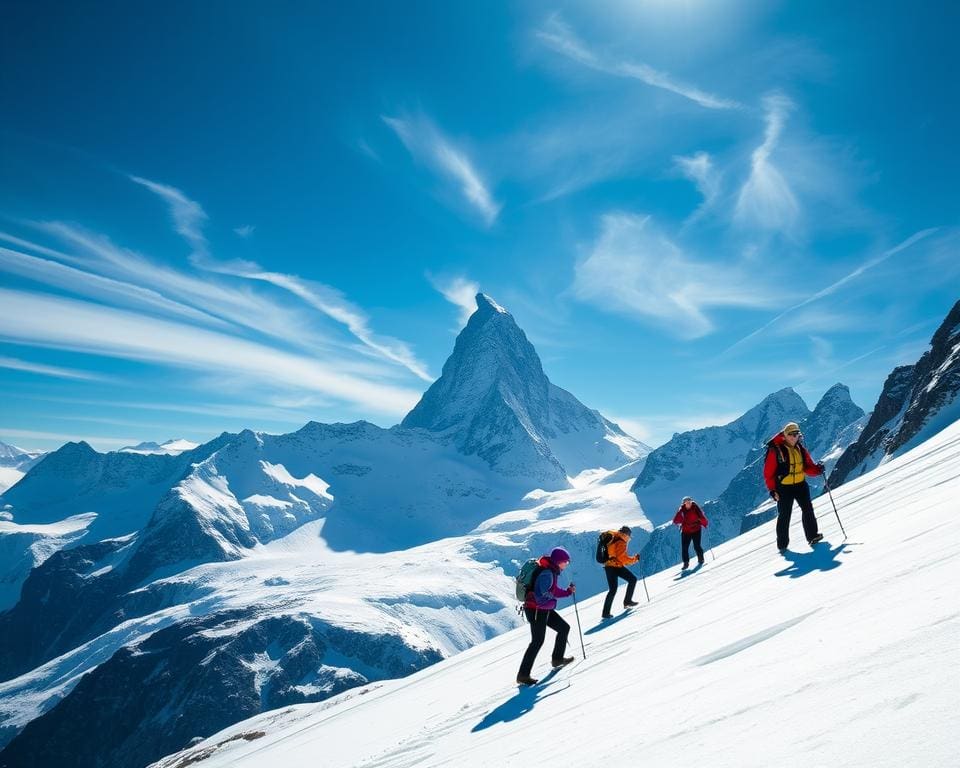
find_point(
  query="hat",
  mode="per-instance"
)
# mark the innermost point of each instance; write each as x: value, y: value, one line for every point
x: 559, y: 555
x: 791, y: 426
x: 625, y: 529
x: 686, y: 499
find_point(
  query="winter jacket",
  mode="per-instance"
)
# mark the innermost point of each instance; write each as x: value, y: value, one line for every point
x: 617, y: 552
x: 776, y: 467
x: 545, y: 590
x: 691, y: 520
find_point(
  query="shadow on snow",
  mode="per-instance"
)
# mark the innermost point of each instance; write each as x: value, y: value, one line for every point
x: 518, y: 705
x: 821, y: 558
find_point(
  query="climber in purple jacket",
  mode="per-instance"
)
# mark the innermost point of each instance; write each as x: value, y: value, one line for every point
x: 539, y: 608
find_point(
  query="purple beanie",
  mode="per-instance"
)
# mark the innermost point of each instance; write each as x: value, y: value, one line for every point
x: 560, y: 555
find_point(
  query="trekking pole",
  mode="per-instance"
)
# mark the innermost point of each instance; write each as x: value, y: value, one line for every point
x: 712, y: 555
x: 644, y: 580
x: 578, y: 625
x: 827, y: 486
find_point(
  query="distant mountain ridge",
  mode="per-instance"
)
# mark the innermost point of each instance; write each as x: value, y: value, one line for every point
x: 827, y: 430
x: 15, y: 463
x: 702, y: 462
x: 172, y: 447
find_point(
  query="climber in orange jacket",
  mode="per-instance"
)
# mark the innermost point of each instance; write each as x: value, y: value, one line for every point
x: 616, y: 568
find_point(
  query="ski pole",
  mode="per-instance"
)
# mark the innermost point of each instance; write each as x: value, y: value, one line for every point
x: 644, y: 580
x: 827, y: 486
x: 578, y: 625
x: 711, y: 550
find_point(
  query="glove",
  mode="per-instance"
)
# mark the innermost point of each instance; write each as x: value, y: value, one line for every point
x: 821, y: 467
x: 573, y: 587
x: 774, y: 496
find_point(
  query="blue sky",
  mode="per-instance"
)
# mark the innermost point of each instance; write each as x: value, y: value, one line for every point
x: 216, y: 216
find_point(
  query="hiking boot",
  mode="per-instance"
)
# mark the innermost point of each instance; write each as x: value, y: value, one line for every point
x: 526, y: 680
x: 685, y: 566
x: 630, y: 603
x: 606, y: 615
x: 699, y: 562
x: 557, y: 663
x: 815, y: 539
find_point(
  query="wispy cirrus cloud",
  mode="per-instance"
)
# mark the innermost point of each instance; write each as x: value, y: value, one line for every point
x: 209, y: 302
x: 54, y: 321
x: 92, y: 285
x: 431, y: 147
x: 833, y: 287
x: 271, y: 411
x: 700, y: 169
x: 559, y: 37
x: 459, y: 291
x: 766, y: 200
x: 188, y: 215
x: 244, y: 308
x: 15, y: 364
x: 635, y: 270
x: 330, y: 302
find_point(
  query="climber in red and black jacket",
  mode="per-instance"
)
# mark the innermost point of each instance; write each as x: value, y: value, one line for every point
x: 785, y: 471
x: 691, y: 520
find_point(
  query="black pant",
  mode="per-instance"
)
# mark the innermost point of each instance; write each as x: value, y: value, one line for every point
x: 799, y: 492
x: 614, y: 573
x: 685, y: 539
x: 539, y: 621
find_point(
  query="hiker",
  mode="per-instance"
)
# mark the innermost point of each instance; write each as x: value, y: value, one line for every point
x: 784, y: 470
x: 539, y: 608
x: 690, y: 519
x: 615, y: 568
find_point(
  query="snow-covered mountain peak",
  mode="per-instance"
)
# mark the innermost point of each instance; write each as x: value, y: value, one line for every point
x: 10, y: 453
x: 838, y: 394
x: 486, y: 304
x: 770, y: 414
x: 14, y: 463
x: 490, y: 352
x: 171, y: 447
x: 494, y: 400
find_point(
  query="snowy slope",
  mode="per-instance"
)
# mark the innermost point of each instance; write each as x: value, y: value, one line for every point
x: 419, y: 605
x: 843, y: 656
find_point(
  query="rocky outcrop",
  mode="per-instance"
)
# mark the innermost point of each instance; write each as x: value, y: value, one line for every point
x: 916, y: 402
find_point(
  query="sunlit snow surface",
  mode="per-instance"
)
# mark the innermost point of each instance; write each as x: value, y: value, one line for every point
x: 842, y: 656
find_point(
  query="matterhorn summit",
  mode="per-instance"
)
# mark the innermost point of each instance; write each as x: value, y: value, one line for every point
x: 494, y: 400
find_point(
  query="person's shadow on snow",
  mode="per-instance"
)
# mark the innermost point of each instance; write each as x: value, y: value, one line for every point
x: 604, y: 623
x: 821, y: 558
x: 518, y: 705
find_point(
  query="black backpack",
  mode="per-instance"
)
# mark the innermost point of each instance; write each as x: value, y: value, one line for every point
x: 603, y: 541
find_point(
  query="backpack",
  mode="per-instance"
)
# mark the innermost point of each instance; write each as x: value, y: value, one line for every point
x: 603, y: 541
x: 528, y: 574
